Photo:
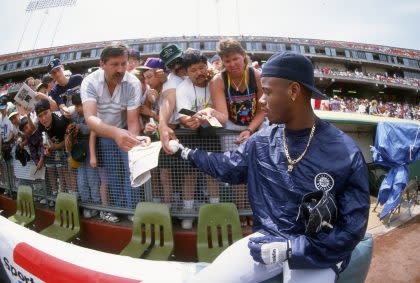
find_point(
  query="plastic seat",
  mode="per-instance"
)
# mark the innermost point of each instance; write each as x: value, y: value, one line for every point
x: 152, y: 236
x: 66, y: 226
x: 218, y: 227
x: 25, y: 210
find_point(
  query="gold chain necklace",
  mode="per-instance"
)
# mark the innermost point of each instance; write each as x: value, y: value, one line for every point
x: 240, y: 83
x: 290, y: 161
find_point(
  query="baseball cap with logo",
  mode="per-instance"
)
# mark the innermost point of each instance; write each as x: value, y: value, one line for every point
x: 293, y: 67
x: 54, y: 64
x: 170, y: 53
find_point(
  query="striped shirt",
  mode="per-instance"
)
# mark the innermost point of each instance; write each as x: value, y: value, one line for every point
x: 112, y: 110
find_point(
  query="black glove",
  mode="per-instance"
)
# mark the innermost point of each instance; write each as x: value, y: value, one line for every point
x: 318, y: 211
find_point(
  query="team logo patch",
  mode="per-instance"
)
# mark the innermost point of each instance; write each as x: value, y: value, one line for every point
x: 324, y: 182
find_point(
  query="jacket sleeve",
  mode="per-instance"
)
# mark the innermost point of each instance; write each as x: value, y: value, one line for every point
x: 229, y: 167
x: 326, y: 250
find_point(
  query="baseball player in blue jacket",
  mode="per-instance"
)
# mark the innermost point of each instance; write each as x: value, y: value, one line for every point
x: 307, y: 186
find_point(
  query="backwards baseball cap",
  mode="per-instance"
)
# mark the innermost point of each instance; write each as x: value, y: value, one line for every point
x: 153, y: 63
x: 294, y: 67
x: 54, y: 64
x: 41, y: 106
x: 134, y: 53
x: 170, y: 53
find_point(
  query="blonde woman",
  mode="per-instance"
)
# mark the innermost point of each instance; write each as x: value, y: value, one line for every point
x: 235, y: 93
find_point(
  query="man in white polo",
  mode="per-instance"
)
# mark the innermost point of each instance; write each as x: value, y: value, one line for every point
x: 110, y: 98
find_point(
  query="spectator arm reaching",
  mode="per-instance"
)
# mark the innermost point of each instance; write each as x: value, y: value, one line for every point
x: 92, y: 150
x: 166, y: 110
x: 125, y: 139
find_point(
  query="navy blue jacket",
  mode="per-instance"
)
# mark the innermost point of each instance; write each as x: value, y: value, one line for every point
x: 57, y: 91
x: 333, y: 162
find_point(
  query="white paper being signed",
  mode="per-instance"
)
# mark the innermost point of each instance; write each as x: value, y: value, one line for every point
x: 141, y: 159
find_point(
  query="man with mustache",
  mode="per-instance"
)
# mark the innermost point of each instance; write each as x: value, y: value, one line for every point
x: 110, y: 99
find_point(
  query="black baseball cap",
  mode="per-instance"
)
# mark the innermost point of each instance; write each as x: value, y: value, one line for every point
x: 54, y: 64
x: 293, y: 67
x: 41, y: 106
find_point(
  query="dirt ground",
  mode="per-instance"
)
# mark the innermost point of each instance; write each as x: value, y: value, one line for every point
x: 396, y: 255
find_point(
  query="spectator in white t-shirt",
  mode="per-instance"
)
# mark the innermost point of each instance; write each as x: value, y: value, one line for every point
x: 172, y: 56
x: 194, y: 94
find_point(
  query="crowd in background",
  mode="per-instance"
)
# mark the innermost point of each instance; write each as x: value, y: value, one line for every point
x: 382, y: 77
x: 375, y: 107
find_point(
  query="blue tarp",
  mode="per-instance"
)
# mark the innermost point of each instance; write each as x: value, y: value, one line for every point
x: 396, y: 145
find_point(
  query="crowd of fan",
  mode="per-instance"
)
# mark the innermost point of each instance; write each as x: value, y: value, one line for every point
x: 375, y: 107
x: 382, y: 77
x: 101, y: 178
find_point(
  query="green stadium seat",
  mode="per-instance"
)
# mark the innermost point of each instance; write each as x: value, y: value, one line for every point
x: 218, y: 227
x: 152, y: 236
x: 66, y: 226
x: 25, y: 210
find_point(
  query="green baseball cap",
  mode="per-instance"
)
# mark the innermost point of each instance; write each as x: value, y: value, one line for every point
x: 79, y: 151
x: 170, y: 53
